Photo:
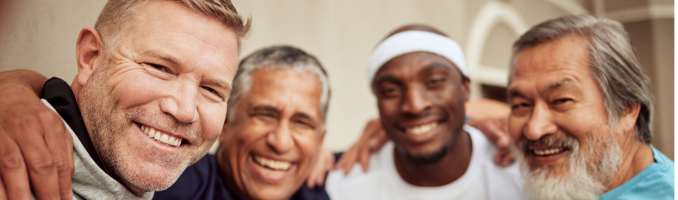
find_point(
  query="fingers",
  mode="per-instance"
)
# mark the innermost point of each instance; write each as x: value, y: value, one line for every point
x: 41, y: 166
x: 348, y: 160
x: 60, y: 143
x: 365, y: 159
x: 12, y: 169
x: 504, y: 158
x: 379, y: 140
x: 321, y: 167
x: 3, y: 194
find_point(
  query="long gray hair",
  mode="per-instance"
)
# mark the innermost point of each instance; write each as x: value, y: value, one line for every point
x: 277, y: 57
x: 613, y: 64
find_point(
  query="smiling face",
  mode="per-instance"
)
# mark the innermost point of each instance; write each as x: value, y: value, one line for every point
x: 158, y: 102
x: 558, y: 117
x: 270, y: 145
x: 421, y: 100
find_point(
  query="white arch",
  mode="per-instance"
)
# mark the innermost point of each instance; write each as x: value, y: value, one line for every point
x: 569, y: 6
x: 491, y: 14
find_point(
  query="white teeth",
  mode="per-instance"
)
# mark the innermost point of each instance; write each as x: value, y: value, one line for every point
x: 161, y: 137
x: 545, y: 152
x: 418, y: 130
x: 272, y: 164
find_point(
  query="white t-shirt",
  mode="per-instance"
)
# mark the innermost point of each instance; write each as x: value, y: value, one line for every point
x: 482, y: 180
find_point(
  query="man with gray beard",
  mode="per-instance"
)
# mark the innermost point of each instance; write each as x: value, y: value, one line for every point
x: 580, y: 114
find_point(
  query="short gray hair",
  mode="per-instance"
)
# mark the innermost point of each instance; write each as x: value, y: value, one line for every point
x: 613, y: 64
x: 277, y: 57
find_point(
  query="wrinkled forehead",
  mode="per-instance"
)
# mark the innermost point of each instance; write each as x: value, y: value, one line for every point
x: 286, y: 88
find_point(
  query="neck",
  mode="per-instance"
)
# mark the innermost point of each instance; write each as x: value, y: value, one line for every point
x: 443, y: 172
x: 638, y: 156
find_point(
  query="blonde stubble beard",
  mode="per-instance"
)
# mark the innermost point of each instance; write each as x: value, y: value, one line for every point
x: 100, y: 112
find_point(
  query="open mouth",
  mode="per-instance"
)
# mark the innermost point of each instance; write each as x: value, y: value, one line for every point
x: 270, y: 164
x: 421, y: 129
x: 549, y: 151
x: 160, y: 136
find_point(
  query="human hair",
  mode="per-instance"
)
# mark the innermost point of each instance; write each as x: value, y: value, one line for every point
x: 612, y: 61
x: 117, y: 18
x: 277, y: 57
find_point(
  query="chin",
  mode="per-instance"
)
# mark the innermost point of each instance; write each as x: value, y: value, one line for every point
x: 271, y: 193
x: 150, y: 178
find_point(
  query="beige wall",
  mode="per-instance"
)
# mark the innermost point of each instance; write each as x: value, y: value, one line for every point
x: 41, y: 35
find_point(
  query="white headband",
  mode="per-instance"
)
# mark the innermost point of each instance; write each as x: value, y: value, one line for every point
x: 415, y: 41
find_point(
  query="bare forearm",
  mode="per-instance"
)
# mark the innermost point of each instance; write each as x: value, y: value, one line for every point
x: 22, y: 79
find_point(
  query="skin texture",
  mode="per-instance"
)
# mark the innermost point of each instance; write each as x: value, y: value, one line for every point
x: 279, y: 119
x: 169, y: 73
x: 553, y: 95
x: 34, y: 142
x: 420, y: 88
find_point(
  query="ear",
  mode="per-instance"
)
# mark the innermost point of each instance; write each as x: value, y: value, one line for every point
x: 222, y: 136
x: 628, y: 119
x: 466, y: 87
x: 322, y: 138
x: 89, y: 53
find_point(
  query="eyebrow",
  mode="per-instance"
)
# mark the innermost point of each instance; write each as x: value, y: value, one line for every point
x: 265, y: 108
x: 163, y: 56
x: 222, y: 84
x: 566, y: 82
x: 434, y: 66
x: 387, y: 78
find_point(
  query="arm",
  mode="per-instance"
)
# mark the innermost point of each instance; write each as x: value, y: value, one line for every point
x: 35, y: 148
x: 489, y: 116
x: 322, y: 166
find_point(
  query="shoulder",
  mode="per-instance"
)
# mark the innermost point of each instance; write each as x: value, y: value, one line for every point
x: 356, y: 181
x: 499, y: 180
x: 654, y: 182
x: 202, y: 180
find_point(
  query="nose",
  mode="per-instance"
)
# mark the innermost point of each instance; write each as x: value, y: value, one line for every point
x: 540, y: 123
x: 280, y: 139
x: 182, y: 103
x: 415, y: 101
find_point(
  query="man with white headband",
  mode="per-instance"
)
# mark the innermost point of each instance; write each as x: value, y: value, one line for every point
x: 419, y: 78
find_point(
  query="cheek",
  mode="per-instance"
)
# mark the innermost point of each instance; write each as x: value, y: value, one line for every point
x: 135, y: 89
x: 213, y: 116
x: 515, y: 127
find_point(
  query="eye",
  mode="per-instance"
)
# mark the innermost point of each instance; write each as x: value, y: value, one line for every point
x: 561, y: 101
x: 520, y: 108
x: 213, y: 91
x: 433, y: 82
x: 159, y: 67
x: 389, y: 90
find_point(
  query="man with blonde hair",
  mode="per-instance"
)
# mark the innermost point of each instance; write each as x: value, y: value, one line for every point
x: 149, y: 100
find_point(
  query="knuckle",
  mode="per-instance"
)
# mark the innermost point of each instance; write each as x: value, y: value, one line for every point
x: 23, y: 121
x: 42, y: 166
x: 11, y: 163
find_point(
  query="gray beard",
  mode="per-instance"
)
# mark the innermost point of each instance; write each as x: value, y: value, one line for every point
x: 586, y: 173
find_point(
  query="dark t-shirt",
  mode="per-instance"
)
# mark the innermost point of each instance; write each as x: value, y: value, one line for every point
x: 203, y: 180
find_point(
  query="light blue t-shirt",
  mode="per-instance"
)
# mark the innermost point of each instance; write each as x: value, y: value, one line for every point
x: 654, y: 182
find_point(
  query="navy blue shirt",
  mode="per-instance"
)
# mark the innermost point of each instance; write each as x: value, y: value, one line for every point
x: 203, y: 180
